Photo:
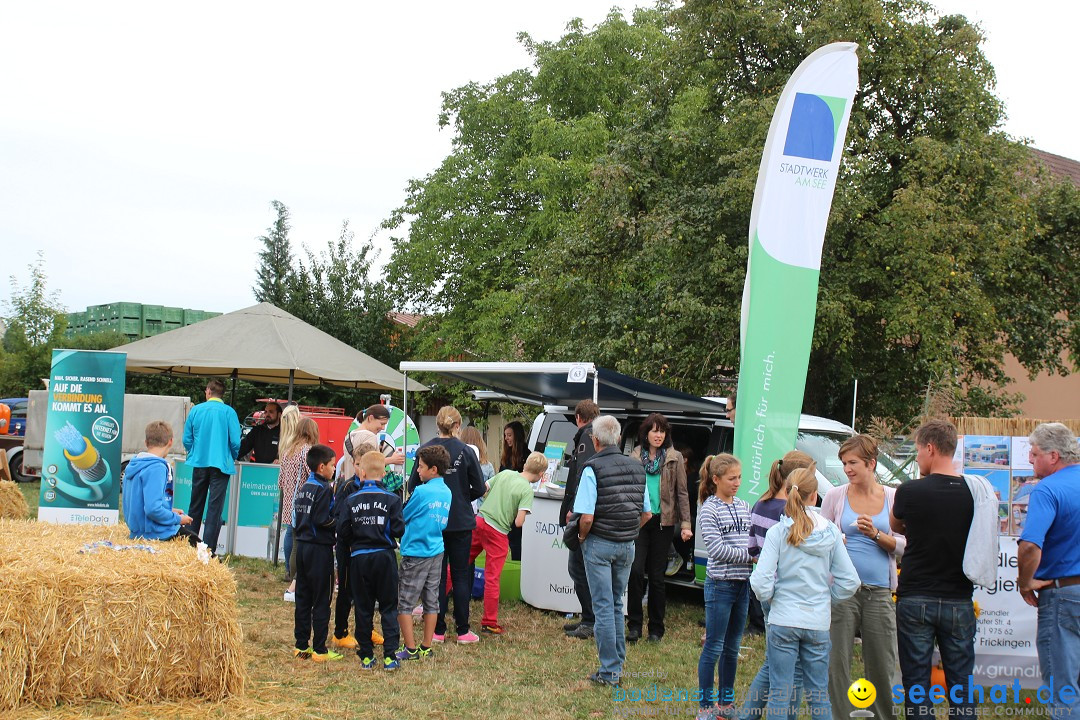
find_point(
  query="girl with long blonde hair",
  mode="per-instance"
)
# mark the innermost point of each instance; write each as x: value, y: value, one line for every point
x: 801, y: 553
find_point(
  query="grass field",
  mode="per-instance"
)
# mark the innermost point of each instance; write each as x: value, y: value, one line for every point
x: 533, y: 671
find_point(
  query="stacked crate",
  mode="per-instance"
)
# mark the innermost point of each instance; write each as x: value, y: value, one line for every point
x: 133, y: 320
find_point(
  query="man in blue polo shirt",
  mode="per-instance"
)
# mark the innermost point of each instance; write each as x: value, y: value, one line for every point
x: 212, y: 440
x: 1049, y: 559
x: 612, y: 505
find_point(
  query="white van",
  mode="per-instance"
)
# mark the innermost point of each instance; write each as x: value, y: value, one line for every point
x: 699, y: 426
x: 698, y: 435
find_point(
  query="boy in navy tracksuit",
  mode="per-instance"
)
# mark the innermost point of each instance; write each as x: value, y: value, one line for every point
x: 368, y: 523
x: 313, y: 531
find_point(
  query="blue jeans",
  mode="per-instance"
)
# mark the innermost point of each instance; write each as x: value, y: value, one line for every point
x: 607, y: 565
x: 726, y: 602
x: 208, y: 482
x: 288, y: 549
x: 1058, y: 641
x: 791, y: 648
x: 758, y: 694
x: 919, y: 622
x: 575, y: 565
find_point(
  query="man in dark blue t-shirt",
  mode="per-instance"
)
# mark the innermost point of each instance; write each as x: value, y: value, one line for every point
x: 1049, y: 558
x: 933, y: 601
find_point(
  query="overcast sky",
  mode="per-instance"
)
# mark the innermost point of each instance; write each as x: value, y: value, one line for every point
x: 142, y: 142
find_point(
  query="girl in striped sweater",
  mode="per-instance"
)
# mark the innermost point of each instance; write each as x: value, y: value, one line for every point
x: 724, y: 526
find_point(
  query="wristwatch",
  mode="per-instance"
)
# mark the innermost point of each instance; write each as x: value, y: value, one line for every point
x: 877, y: 535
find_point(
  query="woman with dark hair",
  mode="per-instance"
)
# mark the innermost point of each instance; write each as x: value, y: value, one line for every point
x: 665, y: 482
x: 514, y: 451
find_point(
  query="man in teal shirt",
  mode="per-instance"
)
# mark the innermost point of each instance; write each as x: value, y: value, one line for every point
x: 212, y: 440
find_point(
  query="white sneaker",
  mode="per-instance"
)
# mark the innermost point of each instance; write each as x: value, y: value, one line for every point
x: 289, y: 597
x: 418, y: 611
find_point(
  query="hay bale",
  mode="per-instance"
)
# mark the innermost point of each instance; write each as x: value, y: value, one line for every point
x: 126, y: 626
x: 12, y: 503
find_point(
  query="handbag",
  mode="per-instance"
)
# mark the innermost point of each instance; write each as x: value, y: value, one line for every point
x: 570, y: 535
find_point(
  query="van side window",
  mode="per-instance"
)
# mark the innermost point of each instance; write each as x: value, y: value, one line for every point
x: 558, y: 430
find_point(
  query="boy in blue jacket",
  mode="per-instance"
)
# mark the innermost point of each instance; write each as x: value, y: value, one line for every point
x: 369, y: 521
x: 148, y: 491
x: 313, y: 530
x: 426, y: 515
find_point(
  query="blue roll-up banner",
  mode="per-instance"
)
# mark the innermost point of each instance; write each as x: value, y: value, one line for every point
x: 80, y: 468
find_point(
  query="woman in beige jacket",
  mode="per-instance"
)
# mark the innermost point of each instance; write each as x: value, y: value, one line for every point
x: 665, y: 483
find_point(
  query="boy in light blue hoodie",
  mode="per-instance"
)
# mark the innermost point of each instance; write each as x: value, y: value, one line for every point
x: 800, y: 553
x: 426, y: 515
x: 148, y: 491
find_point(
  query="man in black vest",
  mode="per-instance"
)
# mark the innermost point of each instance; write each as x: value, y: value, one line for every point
x: 584, y: 414
x: 613, y: 505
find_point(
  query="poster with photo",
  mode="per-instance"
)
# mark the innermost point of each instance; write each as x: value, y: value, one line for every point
x: 999, y: 478
x: 1003, y: 517
x: 958, y: 456
x: 1019, y: 516
x: 986, y: 451
x: 1021, y: 447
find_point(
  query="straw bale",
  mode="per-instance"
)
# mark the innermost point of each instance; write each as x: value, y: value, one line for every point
x: 12, y: 503
x: 123, y: 626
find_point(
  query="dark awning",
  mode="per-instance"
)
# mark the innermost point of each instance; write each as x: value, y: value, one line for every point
x: 567, y: 383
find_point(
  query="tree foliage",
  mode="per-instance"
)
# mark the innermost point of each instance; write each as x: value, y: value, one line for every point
x: 334, y: 290
x: 35, y: 321
x: 275, y: 259
x: 596, y: 206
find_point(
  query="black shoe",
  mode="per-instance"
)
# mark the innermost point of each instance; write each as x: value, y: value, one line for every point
x: 654, y: 638
x: 751, y: 630
x: 582, y: 632
x: 633, y: 635
x: 701, y: 623
x: 571, y: 626
x: 597, y: 679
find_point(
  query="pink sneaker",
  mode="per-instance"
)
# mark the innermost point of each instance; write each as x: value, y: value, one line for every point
x: 438, y: 638
x: 467, y: 638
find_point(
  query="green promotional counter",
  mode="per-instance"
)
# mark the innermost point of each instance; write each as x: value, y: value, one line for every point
x: 251, y: 506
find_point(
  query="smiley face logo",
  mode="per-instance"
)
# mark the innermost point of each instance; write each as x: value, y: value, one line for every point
x: 862, y: 693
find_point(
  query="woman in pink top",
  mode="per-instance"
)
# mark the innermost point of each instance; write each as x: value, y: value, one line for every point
x: 860, y: 510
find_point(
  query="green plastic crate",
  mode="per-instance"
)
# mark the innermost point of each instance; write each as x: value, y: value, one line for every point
x: 130, y: 326
x: 173, y: 315
x: 153, y: 312
x: 128, y: 310
x: 193, y: 316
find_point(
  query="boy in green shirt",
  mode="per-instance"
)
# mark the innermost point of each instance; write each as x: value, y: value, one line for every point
x: 508, y: 500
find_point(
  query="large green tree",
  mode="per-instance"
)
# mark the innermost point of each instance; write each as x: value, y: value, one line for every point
x: 596, y: 207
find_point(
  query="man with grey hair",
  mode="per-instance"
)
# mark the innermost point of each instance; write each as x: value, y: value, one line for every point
x: 613, y: 505
x: 1049, y: 559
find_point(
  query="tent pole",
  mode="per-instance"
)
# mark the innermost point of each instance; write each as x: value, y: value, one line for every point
x: 405, y: 410
x: 291, y: 378
x: 233, y: 400
x: 596, y: 385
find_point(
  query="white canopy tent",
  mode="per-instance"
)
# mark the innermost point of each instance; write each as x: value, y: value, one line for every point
x: 262, y: 343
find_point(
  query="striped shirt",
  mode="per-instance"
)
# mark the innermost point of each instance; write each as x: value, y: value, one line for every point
x: 725, y: 530
x: 765, y: 514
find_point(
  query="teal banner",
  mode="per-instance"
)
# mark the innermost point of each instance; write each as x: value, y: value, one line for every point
x: 250, y: 522
x: 80, y: 469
